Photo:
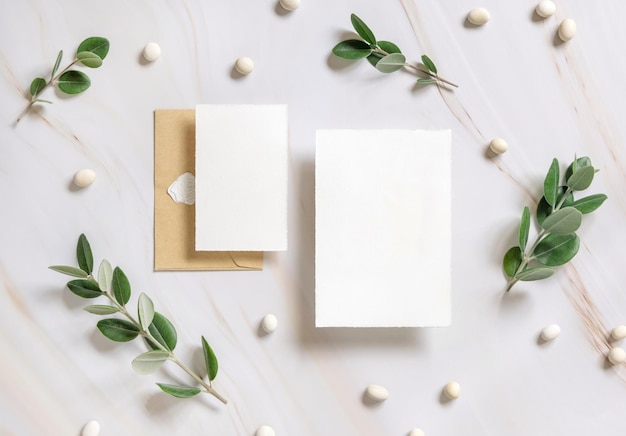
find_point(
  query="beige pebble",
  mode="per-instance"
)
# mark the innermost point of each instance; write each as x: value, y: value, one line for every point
x: 617, y: 356
x: 290, y: 5
x: 417, y: 432
x: 498, y: 145
x: 269, y: 323
x: 618, y: 333
x: 92, y: 428
x: 452, y: 390
x: 567, y: 29
x: 551, y: 332
x: 265, y: 430
x: 545, y: 8
x: 376, y: 393
x: 478, y: 16
x: 151, y: 52
x: 244, y: 65
x: 84, y: 177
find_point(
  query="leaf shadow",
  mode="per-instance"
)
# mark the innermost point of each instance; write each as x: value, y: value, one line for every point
x: 100, y: 342
x: 71, y: 301
x: 336, y: 63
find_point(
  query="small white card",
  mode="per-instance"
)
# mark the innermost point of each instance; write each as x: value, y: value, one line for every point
x: 383, y: 228
x: 241, y: 177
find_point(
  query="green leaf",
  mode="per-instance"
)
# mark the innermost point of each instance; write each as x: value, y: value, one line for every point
x: 352, y: 49
x: 563, y: 221
x: 581, y: 179
x: 69, y: 271
x: 121, y: 286
x: 524, y: 228
x: 101, y: 309
x: 577, y: 164
x: 362, y: 29
x: 105, y: 275
x: 532, y: 274
x: 179, y: 391
x: 390, y: 63
x: 429, y: 64
x: 37, y: 85
x: 544, y: 209
x: 89, y: 59
x: 426, y: 80
x: 118, y: 330
x: 374, y: 58
x: 209, y: 359
x: 512, y: 261
x: 55, y: 68
x: 149, y: 362
x: 84, y: 255
x: 163, y: 331
x: 84, y: 288
x: 96, y: 45
x: 145, y: 309
x: 590, y: 203
x: 555, y: 250
x: 551, y: 183
x: 73, y: 82
x: 389, y: 47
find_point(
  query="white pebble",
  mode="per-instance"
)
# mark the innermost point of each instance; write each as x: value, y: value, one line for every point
x: 244, y: 65
x: 265, y: 430
x: 498, y: 145
x: 452, y: 390
x: 417, y: 432
x: 376, y: 393
x: 551, y: 332
x: 545, y: 8
x: 84, y: 177
x: 269, y: 323
x: 618, y: 333
x: 290, y: 5
x: 151, y: 52
x: 92, y: 428
x: 617, y: 356
x: 478, y: 16
x: 567, y: 29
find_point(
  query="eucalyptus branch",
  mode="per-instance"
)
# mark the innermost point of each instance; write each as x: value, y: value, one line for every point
x: 158, y: 332
x: 559, y: 217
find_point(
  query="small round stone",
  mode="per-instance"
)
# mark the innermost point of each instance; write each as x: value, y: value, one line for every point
x: 265, y: 430
x: 269, y: 323
x: 551, y: 332
x: 151, y: 52
x: 376, y: 393
x: 84, y: 177
x: 92, y: 428
x: 244, y: 65
x: 290, y: 5
x: 545, y: 8
x: 617, y: 356
x: 452, y: 390
x: 618, y: 333
x: 478, y: 16
x: 498, y: 145
x: 417, y: 432
x: 567, y: 29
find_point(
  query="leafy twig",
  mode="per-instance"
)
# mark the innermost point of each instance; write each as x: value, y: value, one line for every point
x: 158, y: 332
x: 385, y: 56
x: 559, y: 216
x: 90, y: 53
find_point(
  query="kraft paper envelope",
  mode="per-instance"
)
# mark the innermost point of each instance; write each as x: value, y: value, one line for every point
x: 174, y: 223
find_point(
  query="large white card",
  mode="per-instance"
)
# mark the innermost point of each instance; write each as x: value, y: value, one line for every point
x: 383, y: 228
x: 241, y: 177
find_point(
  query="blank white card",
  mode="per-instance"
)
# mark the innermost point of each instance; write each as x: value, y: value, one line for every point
x: 241, y: 177
x: 383, y: 228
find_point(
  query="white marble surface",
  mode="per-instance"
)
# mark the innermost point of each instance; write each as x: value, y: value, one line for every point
x: 546, y: 99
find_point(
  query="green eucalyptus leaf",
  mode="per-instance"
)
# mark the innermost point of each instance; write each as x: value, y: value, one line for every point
x: 544, y: 209
x: 101, y: 309
x: 374, y: 58
x: 84, y: 255
x: 563, y: 221
x: 389, y: 47
x: 145, y: 309
x: 361, y: 28
x: 36, y: 86
x: 590, y: 203
x: 57, y: 63
x: 577, y: 164
x: 209, y: 359
x: 524, y: 229
x: 163, y: 331
x: 581, y: 179
x: 390, y: 63
x: 73, y: 82
x: 121, y: 286
x: 426, y: 80
x: 352, y: 49
x: 105, y: 275
x: 149, y: 362
x: 179, y: 391
x: 429, y: 64
x: 118, y: 330
x: 551, y: 183
x: 89, y: 59
x: 512, y: 261
x: 84, y: 288
x: 538, y: 273
x: 69, y: 271
x: 96, y: 45
x: 555, y: 250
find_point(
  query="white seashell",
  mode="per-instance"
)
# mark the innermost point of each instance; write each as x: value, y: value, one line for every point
x: 618, y: 333
x: 452, y: 390
x: 550, y: 332
x: 244, y: 65
x: 376, y: 393
x: 183, y: 189
x: 417, y: 432
x: 478, y: 16
x: 269, y: 323
x: 498, y: 145
x: 151, y: 52
x: 290, y: 5
x: 567, y: 29
x: 545, y: 8
x: 84, y: 178
x: 265, y: 430
x: 92, y: 428
x: 617, y: 356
